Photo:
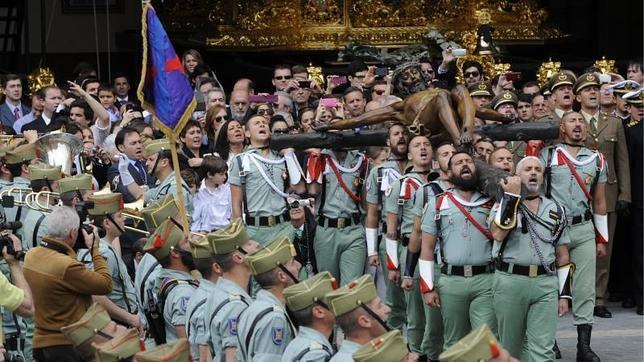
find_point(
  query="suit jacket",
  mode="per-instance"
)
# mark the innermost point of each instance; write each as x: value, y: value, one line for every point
x: 116, y: 184
x: 6, y: 116
x: 634, y: 136
x: 39, y: 125
x: 611, y: 141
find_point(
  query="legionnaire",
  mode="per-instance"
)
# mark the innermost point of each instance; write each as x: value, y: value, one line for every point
x: 530, y: 233
x: 378, y: 183
x: 506, y: 103
x: 391, y: 346
x: 121, y: 347
x: 458, y: 219
x: 174, y: 283
x: 481, y: 93
x: 178, y: 350
x: 264, y: 328
x: 305, y: 301
x: 337, y: 176
x: 230, y: 245
x: 360, y: 313
x: 605, y: 134
x: 576, y: 178
x: 17, y: 162
x: 399, y: 209
x: 620, y: 90
x: 159, y: 164
x: 433, y: 318
x: 121, y: 303
x: 196, y: 329
x: 43, y: 178
x: 502, y: 158
x: 259, y: 186
x: 478, y: 345
x: 561, y: 88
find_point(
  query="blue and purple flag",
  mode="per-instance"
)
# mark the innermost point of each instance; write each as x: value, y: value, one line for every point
x: 164, y: 89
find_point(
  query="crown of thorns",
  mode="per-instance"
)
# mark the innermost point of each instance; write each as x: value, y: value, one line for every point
x: 404, y: 66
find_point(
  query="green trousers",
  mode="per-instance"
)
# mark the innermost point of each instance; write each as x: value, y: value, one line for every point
x: 341, y: 252
x: 265, y: 234
x: 394, y: 295
x: 583, y: 252
x: 424, y: 324
x: 526, y: 313
x: 466, y: 303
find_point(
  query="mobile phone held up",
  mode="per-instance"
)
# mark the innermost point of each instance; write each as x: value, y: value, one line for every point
x: 329, y: 102
x: 263, y: 98
x: 513, y: 76
x: 337, y: 79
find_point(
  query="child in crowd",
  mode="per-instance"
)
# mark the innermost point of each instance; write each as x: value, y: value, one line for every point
x: 107, y: 97
x: 212, y: 202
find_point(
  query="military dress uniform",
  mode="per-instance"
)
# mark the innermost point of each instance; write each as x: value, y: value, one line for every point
x: 564, y: 188
x: 526, y: 284
x: 263, y: 182
x: 264, y: 328
x: 340, y: 236
x: 465, y: 286
x: 18, y: 155
x: 379, y: 181
x: 35, y: 226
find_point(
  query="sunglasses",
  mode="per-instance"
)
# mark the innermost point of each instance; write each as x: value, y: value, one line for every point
x: 261, y: 112
x: 280, y: 131
x: 222, y: 118
x: 471, y: 74
x: 428, y: 71
x: 379, y: 91
x: 606, y: 91
x: 283, y: 77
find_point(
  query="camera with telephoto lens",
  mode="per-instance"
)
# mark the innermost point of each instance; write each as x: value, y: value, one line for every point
x: 5, y: 241
x: 295, y: 203
x: 81, y: 210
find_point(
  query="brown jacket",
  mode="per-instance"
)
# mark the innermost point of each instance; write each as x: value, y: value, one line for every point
x: 62, y: 289
x: 611, y: 141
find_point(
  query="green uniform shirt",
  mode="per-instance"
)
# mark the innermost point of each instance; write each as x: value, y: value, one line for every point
x: 176, y: 302
x: 346, y: 351
x: 147, y: 266
x: 169, y: 186
x: 389, y: 173
x: 520, y: 248
x: 123, y: 293
x: 462, y: 243
x: 228, y: 301
x: 29, y: 228
x: 11, y: 212
x: 262, y: 199
x: 412, y: 183
x: 337, y: 203
x: 427, y: 189
x: 198, y: 333
x: 271, y: 333
x: 309, y: 345
x: 564, y: 186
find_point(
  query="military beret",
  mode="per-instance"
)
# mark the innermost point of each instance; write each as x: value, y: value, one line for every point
x: 21, y: 153
x: 585, y: 80
x: 625, y: 86
x: 351, y: 296
x: 504, y: 97
x: 163, y: 239
x: 175, y: 351
x: 156, y: 146
x: 121, y: 347
x: 481, y: 89
x: 43, y: 171
x: 278, y: 252
x: 476, y: 346
x: 75, y: 183
x: 106, y: 204
x: 95, y: 319
x: 390, y: 346
x: 163, y: 209
x: 634, y: 97
x: 201, y: 248
x: 305, y: 294
x: 561, y: 78
x: 229, y: 238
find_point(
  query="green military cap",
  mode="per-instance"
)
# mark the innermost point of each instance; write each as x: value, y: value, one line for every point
x: 389, y: 347
x: 481, y: 89
x: 305, y: 294
x: 43, y: 171
x: 21, y: 153
x: 106, y: 204
x: 75, y: 183
x: 635, y: 97
x: 278, y: 252
x: 95, y: 319
x: 504, y: 97
x: 625, y: 86
x: 585, y: 80
x: 478, y: 345
x: 156, y: 146
x: 201, y: 248
x: 160, y: 211
x: 121, y: 347
x: 163, y: 239
x: 351, y: 296
x: 175, y: 351
x: 561, y: 78
x: 229, y: 238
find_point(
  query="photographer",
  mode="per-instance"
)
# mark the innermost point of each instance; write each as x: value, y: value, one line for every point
x: 15, y: 296
x: 63, y: 287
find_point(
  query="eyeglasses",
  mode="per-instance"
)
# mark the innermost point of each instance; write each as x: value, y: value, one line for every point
x: 280, y: 131
x: 263, y: 111
x: 471, y: 74
x: 222, y: 118
x: 379, y: 91
x: 606, y: 91
x: 283, y: 77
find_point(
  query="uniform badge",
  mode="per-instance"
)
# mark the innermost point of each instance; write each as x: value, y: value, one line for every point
x: 589, y: 178
x: 277, y: 334
x: 388, y: 191
x: 554, y: 215
x: 183, y: 303
x: 368, y: 185
x: 232, y: 326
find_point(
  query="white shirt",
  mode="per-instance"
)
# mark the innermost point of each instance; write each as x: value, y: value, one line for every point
x: 45, y: 118
x: 212, y: 209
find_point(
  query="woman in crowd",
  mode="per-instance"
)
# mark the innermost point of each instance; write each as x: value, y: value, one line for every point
x: 230, y: 140
x: 192, y: 149
x: 307, y: 115
x: 215, y: 117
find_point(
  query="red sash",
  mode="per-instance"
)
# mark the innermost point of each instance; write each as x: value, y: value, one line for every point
x: 335, y: 170
x: 573, y: 171
x: 469, y: 216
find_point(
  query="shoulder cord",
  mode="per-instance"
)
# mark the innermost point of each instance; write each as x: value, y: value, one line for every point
x: 529, y: 218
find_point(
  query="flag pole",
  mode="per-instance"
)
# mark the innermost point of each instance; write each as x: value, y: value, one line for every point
x: 177, y: 178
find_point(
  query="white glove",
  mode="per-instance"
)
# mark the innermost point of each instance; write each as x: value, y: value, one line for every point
x: 124, y: 164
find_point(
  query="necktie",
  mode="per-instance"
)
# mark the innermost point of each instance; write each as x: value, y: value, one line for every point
x: 16, y: 113
x: 142, y: 172
x: 593, y: 126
